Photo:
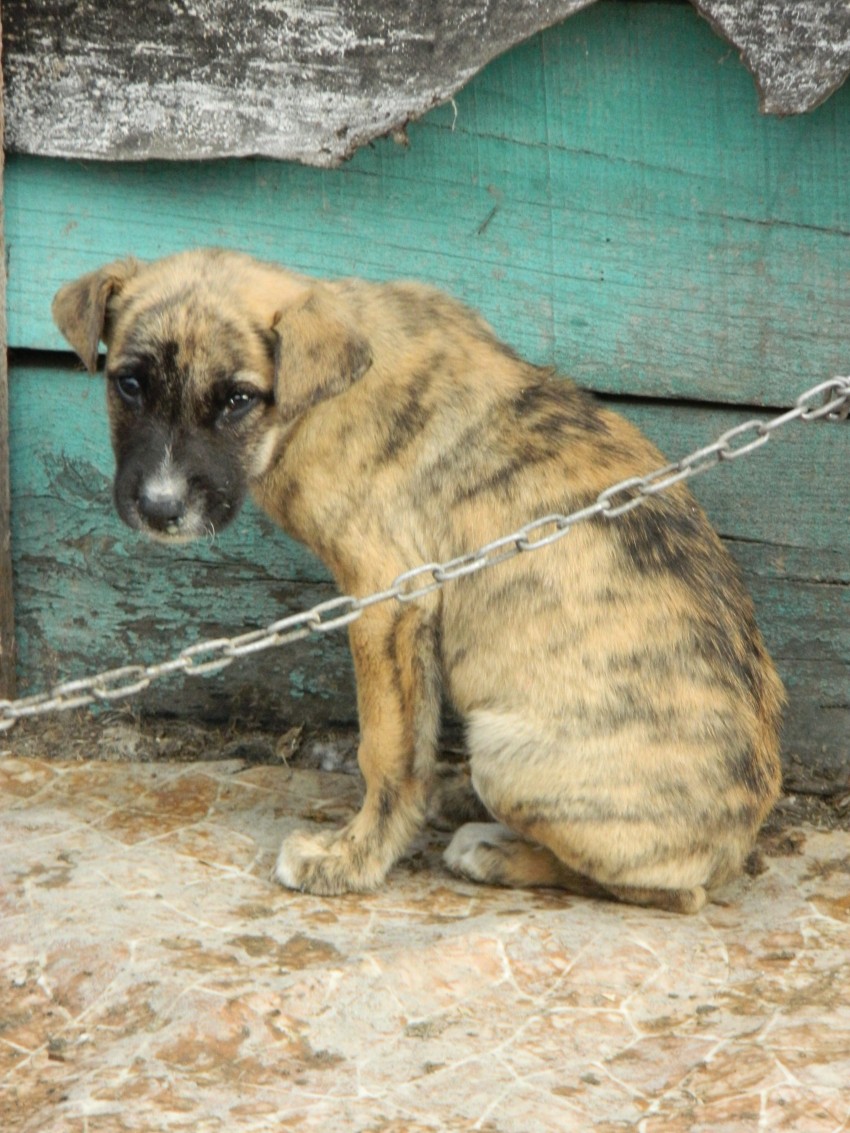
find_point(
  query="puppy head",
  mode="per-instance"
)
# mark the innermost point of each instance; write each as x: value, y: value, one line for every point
x: 211, y: 356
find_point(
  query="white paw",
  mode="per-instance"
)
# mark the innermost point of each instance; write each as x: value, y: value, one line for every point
x: 297, y: 851
x: 463, y: 853
x: 287, y: 867
x: 327, y: 863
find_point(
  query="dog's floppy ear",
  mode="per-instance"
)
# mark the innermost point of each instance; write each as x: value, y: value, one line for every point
x: 80, y: 308
x: 318, y: 353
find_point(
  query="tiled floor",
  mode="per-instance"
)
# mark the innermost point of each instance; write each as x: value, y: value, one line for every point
x: 152, y: 978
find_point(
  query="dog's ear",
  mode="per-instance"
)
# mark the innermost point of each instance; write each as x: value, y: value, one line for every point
x: 318, y: 353
x: 80, y: 309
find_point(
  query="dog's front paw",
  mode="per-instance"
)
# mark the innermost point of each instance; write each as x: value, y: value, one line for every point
x: 326, y: 863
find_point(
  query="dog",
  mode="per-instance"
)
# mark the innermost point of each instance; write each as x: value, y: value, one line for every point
x: 621, y: 711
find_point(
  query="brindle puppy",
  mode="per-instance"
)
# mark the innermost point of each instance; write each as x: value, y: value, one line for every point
x: 621, y: 710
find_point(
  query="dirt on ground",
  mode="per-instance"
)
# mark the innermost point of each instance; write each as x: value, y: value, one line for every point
x: 123, y: 736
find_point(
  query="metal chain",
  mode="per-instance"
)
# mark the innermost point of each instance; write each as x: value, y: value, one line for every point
x: 212, y: 656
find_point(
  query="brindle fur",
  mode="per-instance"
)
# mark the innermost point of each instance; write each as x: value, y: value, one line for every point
x: 621, y: 710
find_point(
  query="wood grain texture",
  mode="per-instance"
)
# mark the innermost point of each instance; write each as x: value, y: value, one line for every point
x: 799, y: 53
x: 90, y: 591
x: 91, y: 594
x: 607, y: 195
x: 163, y: 79
x: 299, y: 81
x: 7, y: 620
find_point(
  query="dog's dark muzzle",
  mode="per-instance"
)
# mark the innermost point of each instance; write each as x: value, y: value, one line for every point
x: 161, y: 512
x: 174, y: 487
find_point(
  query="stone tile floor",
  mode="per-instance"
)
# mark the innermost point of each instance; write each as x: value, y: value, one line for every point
x: 152, y: 978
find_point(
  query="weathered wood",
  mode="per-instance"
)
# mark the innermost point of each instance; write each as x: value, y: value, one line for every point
x: 311, y: 83
x: 660, y: 238
x: 799, y: 53
x: 7, y: 620
x: 786, y: 524
x: 608, y: 196
x: 131, y: 80
x: 92, y: 594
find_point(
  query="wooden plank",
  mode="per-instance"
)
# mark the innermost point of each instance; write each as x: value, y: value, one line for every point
x: 782, y: 516
x: 92, y: 594
x: 132, y: 81
x: 607, y: 195
x: 798, y: 52
x: 7, y: 621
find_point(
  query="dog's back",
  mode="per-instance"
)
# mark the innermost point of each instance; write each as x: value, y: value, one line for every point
x: 616, y: 687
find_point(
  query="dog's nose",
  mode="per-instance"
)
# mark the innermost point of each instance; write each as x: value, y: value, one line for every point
x: 161, y: 512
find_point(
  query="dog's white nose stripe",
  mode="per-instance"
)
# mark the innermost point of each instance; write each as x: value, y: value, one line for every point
x: 167, y: 483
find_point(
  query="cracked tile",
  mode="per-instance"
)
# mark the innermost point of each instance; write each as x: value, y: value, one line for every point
x: 153, y: 977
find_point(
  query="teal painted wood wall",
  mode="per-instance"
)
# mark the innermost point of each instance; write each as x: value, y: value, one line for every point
x: 609, y: 197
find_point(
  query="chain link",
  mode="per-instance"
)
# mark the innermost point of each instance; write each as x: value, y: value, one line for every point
x: 207, y: 657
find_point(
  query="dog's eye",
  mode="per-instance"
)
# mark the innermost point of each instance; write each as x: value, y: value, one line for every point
x: 129, y: 389
x: 239, y: 403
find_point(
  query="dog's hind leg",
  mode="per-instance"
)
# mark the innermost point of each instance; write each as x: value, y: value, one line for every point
x: 399, y: 706
x: 493, y: 854
x: 588, y: 823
